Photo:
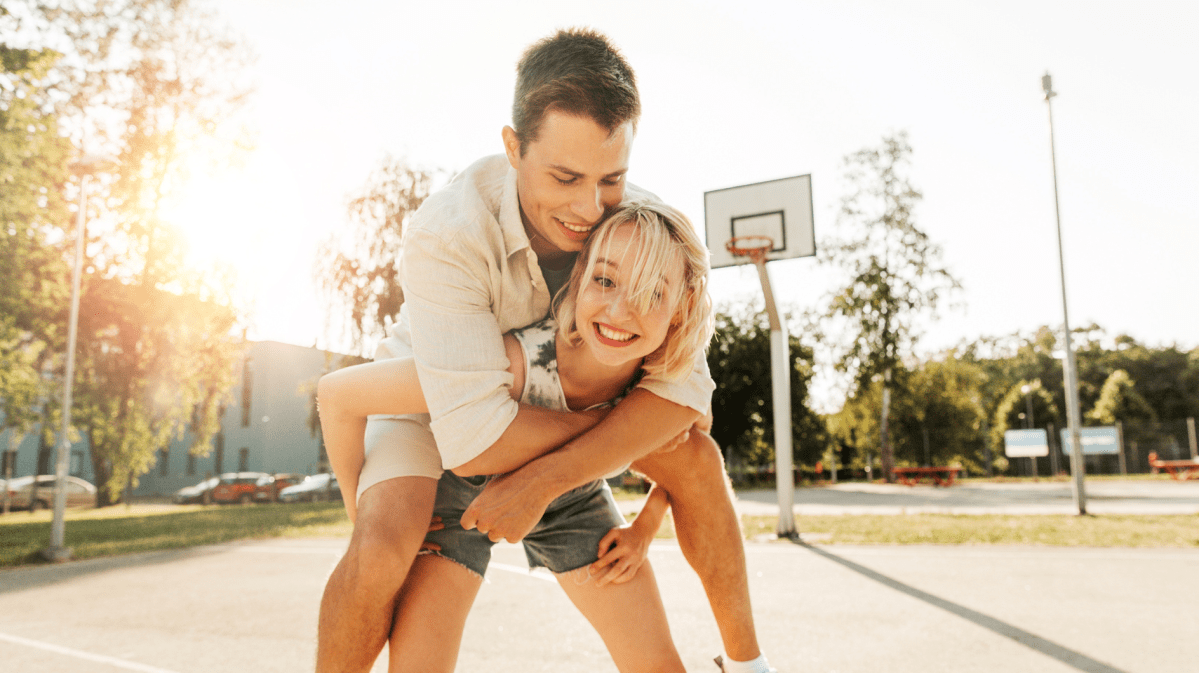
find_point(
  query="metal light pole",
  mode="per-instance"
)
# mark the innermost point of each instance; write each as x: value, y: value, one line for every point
x: 1073, y: 417
x: 1028, y: 422
x: 84, y: 168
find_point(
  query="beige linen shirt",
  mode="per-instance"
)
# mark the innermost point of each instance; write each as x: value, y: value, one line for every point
x: 468, y: 276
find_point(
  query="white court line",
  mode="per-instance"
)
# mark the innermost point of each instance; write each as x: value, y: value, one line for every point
x: 522, y: 571
x: 80, y: 654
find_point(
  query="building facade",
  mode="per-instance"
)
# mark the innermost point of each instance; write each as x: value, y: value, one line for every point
x: 268, y: 425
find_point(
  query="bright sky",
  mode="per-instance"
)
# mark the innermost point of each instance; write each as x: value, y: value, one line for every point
x: 742, y: 92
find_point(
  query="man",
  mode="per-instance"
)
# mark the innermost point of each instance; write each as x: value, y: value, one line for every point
x: 484, y: 256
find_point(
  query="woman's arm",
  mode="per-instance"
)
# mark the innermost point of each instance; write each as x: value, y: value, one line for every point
x: 623, y: 550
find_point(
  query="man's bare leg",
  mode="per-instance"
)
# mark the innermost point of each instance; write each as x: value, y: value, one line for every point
x: 709, y: 533
x: 360, y: 596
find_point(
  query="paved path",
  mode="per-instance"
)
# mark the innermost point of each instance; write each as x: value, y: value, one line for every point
x: 904, y: 609
x: 919, y: 609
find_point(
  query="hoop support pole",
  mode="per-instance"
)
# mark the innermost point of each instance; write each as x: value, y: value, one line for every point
x: 780, y: 377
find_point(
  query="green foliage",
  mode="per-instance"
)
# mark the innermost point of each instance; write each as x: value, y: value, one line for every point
x: 359, y: 270
x: 1119, y: 401
x: 1013, y: 408
x: 739, y: 358
x: 33, y: 213
x: 152, y: 82
x: 937, y: 401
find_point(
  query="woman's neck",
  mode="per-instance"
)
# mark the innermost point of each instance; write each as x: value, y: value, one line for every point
x: 586, y: 382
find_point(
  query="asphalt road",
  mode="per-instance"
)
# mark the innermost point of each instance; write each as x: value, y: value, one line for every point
x: 252, y: 607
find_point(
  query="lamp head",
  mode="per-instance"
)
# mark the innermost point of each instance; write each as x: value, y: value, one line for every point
x: 1047, y: 86
x: 90, y: 164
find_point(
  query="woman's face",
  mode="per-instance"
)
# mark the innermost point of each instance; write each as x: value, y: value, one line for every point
x: 611, y: 329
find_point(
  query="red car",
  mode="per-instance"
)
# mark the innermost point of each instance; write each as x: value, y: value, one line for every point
x: 268, y: 487
x: 237, y: 487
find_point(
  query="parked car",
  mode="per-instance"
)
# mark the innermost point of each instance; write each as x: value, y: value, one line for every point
x: 201, y: 492
x: 316, y: 488
x: 237, y: 487
x: 80, y: 493
x: 267, y: 489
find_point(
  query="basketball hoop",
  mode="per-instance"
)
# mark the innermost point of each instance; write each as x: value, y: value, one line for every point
x: 755, y: 247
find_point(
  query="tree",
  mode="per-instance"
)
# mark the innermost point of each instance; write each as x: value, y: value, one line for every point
x: 1120, y: 401
x: 33, y: 172
x: 894, y: 276
x: 739, y: 359
x: 1012, y: 411
x: 153, y: 82
x: 359, y: 271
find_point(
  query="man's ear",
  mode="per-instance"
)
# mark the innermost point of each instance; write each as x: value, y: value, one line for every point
x: 511, y: 146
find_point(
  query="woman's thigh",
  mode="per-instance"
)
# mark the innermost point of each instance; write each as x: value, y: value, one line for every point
x: 629, y: 617
x: 430, y: 615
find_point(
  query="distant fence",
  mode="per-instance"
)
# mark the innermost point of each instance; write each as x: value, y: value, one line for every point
x: 1170, y: 440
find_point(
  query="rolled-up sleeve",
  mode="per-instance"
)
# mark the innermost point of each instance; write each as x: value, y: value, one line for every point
x: 695, y: 390
x: 457, y: 344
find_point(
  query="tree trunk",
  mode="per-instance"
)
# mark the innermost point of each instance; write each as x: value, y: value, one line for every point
x: 885, y: 454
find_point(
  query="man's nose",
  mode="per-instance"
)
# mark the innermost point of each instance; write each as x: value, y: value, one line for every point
x: 589, y: 205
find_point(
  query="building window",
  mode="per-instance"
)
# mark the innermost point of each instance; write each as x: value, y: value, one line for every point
x: 243, y: 460
x: 76, y: 463
x: 10, y: 464
x: 218, y: 459
x: 164, y: 462
x: 247, y: 388
x: 191, y: 463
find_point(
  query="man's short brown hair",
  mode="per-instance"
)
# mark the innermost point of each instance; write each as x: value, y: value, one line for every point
x: 576, y: 71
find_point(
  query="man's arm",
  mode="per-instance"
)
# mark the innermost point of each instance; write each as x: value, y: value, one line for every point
x: 463, y: 364
x: 511, y: 505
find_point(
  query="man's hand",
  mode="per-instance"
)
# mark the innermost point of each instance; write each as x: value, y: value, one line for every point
x: 507, y: 509
x: 704, y: 424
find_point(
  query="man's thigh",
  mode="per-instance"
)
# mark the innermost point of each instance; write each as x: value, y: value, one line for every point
x: 398, y: 446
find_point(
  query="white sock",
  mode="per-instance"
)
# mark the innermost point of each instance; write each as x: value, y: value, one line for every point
x: 758, y: 665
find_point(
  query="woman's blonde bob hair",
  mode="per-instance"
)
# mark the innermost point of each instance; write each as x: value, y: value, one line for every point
x: 666, y: 237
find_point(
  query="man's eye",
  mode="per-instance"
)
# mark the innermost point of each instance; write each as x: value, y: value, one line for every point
x: 568, y: 181
x: 611, y: 182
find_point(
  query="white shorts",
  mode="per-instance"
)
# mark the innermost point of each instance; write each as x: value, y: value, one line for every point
x: 398, y: 446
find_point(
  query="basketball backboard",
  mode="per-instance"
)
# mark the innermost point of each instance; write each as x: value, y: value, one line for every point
x: 780, y: 209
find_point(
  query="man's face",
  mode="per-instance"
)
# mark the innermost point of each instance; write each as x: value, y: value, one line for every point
x: 567, y: 180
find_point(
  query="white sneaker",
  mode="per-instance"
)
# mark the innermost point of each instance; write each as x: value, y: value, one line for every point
x: 720, y: 664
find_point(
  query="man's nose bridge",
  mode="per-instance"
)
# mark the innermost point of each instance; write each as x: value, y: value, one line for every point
x: 590, y: 203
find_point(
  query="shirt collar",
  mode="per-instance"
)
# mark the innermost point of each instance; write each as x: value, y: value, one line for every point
x: 515, y: 236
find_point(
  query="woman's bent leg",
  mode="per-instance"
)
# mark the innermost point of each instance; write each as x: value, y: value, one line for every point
x: 629, y: 617
x: 431, y: 615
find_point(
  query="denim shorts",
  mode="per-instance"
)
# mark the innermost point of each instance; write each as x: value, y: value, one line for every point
x: 566, y: 538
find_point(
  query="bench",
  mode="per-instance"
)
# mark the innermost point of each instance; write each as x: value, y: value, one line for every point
x: 1180, y: 470
x: 941, y: 476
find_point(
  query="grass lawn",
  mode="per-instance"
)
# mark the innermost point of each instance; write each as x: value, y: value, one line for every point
x: 1109, y: 530
x: 123, y: 530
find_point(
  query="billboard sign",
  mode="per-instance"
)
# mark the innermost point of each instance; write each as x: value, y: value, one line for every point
x: 1025, y: 443
x: 1095, y: 441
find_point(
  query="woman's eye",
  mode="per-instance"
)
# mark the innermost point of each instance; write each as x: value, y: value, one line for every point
x: 604, y: 281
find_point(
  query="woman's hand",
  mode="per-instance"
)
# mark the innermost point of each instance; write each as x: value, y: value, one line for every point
x: 621, y: 554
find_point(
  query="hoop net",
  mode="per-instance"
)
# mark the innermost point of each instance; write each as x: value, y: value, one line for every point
x: 754, y: 247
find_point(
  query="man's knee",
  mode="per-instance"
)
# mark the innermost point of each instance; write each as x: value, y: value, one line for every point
x: 695, y: 464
